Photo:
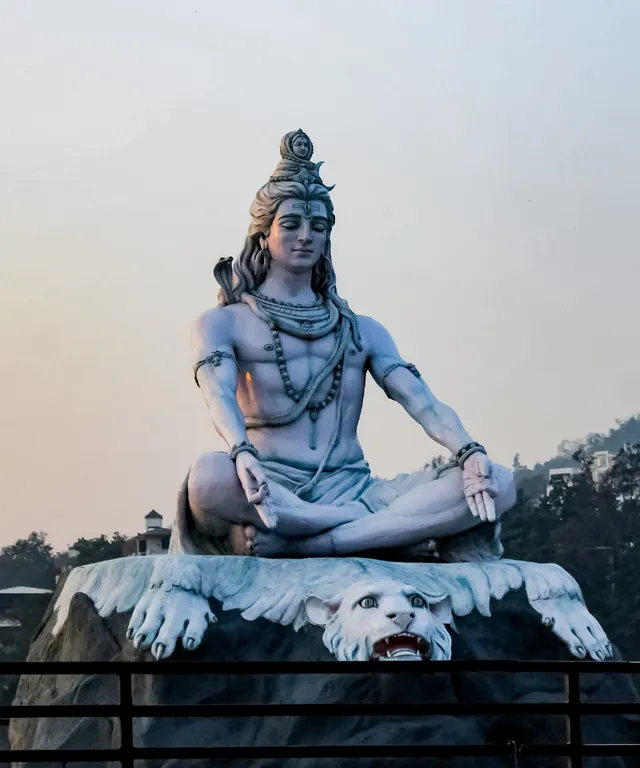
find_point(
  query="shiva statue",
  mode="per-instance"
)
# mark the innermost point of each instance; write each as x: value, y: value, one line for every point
x: 300, y: 531
x: 281, y: 363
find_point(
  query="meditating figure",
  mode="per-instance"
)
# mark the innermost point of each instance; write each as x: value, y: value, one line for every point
x: 281, y: 362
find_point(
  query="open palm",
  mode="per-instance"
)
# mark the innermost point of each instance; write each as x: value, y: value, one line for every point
x: 479, y: 486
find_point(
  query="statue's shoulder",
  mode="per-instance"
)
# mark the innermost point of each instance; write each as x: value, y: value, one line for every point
x: 372, y: 331
x: 219, y: 321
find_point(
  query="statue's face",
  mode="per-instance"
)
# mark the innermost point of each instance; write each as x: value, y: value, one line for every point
x: 298, y: 234
x: 300, y: 147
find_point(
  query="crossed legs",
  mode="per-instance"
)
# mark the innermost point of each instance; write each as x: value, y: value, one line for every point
x: 431, y: 511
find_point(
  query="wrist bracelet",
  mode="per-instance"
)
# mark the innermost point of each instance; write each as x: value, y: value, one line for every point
x: 467, y: 450
x: 243, y: 446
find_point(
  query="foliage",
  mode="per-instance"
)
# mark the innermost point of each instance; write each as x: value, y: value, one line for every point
x: 534, y: 481
x: 593, y: 530
x: 98, y: 549
x: 28, y: 563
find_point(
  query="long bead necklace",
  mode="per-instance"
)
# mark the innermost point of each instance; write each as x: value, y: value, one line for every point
x: 312, y: 408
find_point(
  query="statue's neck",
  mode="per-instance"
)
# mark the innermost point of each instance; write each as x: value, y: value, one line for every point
x: 294, y: 288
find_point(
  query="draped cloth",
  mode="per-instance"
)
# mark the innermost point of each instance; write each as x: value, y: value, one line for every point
x: 351, y: 483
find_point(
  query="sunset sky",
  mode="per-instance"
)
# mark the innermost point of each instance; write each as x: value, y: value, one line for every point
x: 487, y: 170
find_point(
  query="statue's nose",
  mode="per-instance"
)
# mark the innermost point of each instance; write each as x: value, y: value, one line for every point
x: 401, y: 618
x: 305, y: 232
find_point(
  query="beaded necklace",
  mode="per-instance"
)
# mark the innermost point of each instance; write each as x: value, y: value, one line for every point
x: 313, y: 408
x: 307, y: 322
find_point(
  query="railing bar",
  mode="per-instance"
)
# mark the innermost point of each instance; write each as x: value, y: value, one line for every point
x: 324, y: 751
x: 292, y: 710
x: 574, y: 723
x: 126, y: 721
x: 313, y: 667
x: 337, y: 709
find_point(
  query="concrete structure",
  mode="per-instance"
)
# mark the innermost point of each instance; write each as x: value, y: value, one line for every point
x: 155, y: 539
x: 561, y: 474
x: 602, y: 463
x: 18, y: 605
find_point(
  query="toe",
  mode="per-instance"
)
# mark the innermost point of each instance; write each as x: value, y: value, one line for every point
x: 250, y: 539
x: 148, y: 630
x: 194, y: 632
x: 139, y: 615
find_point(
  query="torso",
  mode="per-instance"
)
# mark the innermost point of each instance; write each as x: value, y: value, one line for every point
x: 261, y: 392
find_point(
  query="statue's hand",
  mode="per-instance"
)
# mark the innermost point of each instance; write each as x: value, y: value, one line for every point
x: 256, y: 488
x: 480, y: 487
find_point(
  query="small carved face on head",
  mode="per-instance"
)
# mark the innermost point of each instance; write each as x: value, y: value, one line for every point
x: 300, y: 146
x: 382, y: 620
x: 298, y: 235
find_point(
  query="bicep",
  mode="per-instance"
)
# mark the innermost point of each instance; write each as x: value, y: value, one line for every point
x: 397, y: 377
x: 215, y: 369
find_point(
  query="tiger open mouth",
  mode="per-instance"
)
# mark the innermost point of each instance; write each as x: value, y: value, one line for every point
x: 401, y: 647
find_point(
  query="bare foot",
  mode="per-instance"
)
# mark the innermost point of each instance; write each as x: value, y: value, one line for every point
x: 271, y: 545
x: 241, y: 538
x: 424, y: 550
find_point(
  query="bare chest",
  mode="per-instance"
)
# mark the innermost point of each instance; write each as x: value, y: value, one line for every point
x: 261, y: 354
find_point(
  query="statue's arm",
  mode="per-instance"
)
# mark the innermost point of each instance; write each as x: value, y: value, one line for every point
x: 216, y: 372
x: 402, y: 383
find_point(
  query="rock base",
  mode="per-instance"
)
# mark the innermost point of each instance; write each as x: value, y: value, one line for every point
x: 513, y: 632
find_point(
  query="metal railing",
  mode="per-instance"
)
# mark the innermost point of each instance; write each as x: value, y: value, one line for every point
x: 572, y: 709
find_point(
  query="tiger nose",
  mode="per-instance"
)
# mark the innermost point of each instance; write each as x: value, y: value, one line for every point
x: 401, y: 618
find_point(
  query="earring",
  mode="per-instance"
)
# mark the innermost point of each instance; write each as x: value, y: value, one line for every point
x: 264, y: 257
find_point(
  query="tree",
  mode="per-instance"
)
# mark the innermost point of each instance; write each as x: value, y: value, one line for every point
x: 593, y: 531
x: 28, y: 563
x: 98, y: 549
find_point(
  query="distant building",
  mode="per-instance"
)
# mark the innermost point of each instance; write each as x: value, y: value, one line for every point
x: 602, y: 463
x: 155, y: 539
x: 16, y: 601
x: 65, y: 561
x: 561, y: 474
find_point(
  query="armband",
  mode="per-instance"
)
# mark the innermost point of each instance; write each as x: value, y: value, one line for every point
x: 215, y: 358
x: 399, y: 364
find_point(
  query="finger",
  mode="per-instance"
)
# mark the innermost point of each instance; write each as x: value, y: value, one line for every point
x: 472, y: 506
x: 267, y: 514
x: 260, y: 493
x: 482, y: 512
x: 490, y: 506
x: 256, y: 497
x: 262, y: 483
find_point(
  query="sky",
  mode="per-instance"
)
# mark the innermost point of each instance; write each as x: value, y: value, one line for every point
x: 487, y: 170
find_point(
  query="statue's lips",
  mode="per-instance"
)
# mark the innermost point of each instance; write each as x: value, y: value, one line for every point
x: 404, y: 645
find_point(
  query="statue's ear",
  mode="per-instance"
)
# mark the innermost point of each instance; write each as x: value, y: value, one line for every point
x: 442, y: 610
x: 319, y: 611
